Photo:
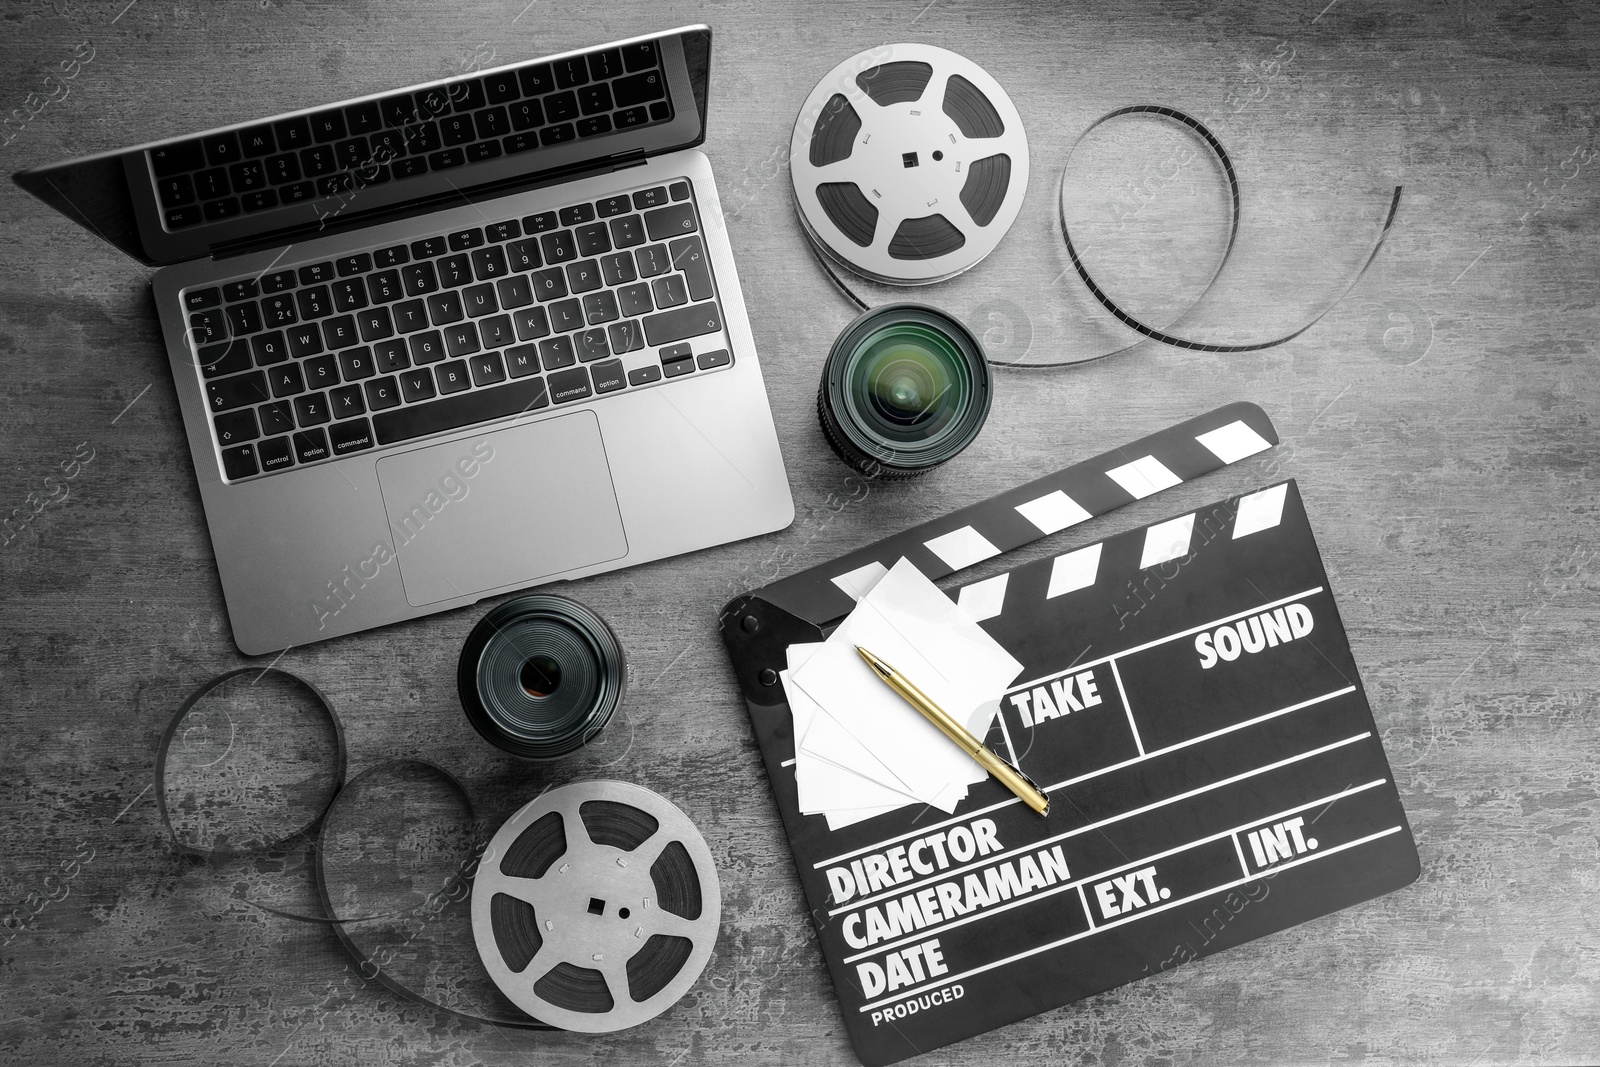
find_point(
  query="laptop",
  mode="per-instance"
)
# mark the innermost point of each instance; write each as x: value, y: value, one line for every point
x: 446, y: 342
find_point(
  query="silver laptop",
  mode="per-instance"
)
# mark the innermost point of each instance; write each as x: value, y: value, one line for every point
x: 451, y: 341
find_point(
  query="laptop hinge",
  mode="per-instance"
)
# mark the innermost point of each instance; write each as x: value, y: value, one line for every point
x: 437, y: 202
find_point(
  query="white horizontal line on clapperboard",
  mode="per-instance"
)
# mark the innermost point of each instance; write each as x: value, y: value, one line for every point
x: 1034, y: 846
x: 1143, y: 913
x: 1091, y: 774
x: 1100, y: 875
x: 1125, y: 653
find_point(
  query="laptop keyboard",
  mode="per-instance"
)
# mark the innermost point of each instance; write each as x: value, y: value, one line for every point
x: 308, y: 363
x: 336, y: 150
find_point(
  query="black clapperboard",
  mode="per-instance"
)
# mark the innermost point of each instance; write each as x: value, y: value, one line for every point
x: 1188, y: 700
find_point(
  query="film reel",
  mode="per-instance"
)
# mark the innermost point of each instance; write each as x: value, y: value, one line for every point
x: 909, y: 164
x: 596, y: 906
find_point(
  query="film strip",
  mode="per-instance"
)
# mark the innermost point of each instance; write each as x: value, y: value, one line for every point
x: 1189, y: 702
x: 252, y: 764
x: 870, y: 202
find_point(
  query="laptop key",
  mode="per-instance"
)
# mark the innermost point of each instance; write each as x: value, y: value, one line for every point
x: 496, y: 332
x: 465, y: 409
x: 321, y: 372
x: 176, y: 158
x: 648, y: 198
x: 515, y: 292
x: 531, y: 323
x: 524, y: 254
x: 635, y: 299
x: 488, y: 263
x: 552, y: 135
x: 363, y: 118
x: 279, y: 310
x: 625, y: 336
x: 522, y: 361
x: 375, y: 324
x: 526, y: 115
x: 208, y: 327
x: 606, y: 64
x: 304, y: 340
x: 222, y: 149
x: 583, y: 276
x: 465, y: 239
x: 592, y: 239
x: 462, y: 339
x: 669, y: 221
x: 600, y: 307
x: 391, y: 257
x: 629, y: 117
x: 229, y: 357
x: 445, y: 308
x: 577, y: 213
x: 356, y: 364
x: 536, y: 80
x: 269, y: 348
x: 220, y: 209
x: 410, y: 316
x: 644, y: 375
x: 591, y: 345
x: 346, y: 402
x: 558, y: 247
x: 678, y: 367
x: 384, y: 286
x: 180, y: 217
x: 287, y: 380
x: 452, y: 376
x: 617, y: 268
x: 566, y: 316
x: 310, y: 446
x: 340, y: 332
x: 557, y: 352
x: 226, y: 394
x: 689, y: 256
x: 239, y: 462
x: 679, y: 190
x: 419, y: 279
x: 352, y: 436
x: 545, y: 220
x: 652, y: 260
x: 276, y: 417
x: 670, y: 291
x: 382, y: 393
x: 390, y: 356
x: 548, y: 284
x: 416, y: 385
x: 719, y: 358
x: 275, y: 454
x: 454, y: 270
x: 200, y: 299
x: 679, y: 323
x: 569, y: 385
x: 608, y: 376
x: 509, y: 230
x: 639, y: 56
x: 487, y: 369
x: 236, y: 427
x: 349, y: 294
x: 457, y: 130
x: 426, y: 347
x: 594, y: 124
x: 613, y: 205
x: 176, y: 191
x: 498, y: 88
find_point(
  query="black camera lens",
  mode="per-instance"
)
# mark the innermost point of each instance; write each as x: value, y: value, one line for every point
x: 540, y: 675
x: 905, y: 388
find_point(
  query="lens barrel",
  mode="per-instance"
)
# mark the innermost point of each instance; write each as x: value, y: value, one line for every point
x: 539, y: 676
x: 905, y: 388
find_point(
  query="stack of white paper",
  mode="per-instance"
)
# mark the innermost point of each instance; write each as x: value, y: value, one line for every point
x: 860, y: 749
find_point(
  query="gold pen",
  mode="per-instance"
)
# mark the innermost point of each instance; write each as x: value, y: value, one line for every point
x: 1009, y: 776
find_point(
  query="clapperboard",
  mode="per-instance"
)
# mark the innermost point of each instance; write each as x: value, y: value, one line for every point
x: 1189, y: 702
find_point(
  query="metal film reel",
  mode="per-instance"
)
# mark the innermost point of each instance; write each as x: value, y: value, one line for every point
x: 596, y: 906
x: 909, y: 164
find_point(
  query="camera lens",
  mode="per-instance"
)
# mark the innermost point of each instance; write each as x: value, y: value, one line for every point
x: 540, y: 675
x: 905, y: 388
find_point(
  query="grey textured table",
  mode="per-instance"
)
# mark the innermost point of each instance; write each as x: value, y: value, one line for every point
x: 1441, y: 422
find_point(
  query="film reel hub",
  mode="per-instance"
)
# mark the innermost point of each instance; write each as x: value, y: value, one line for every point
x: 596, y: 906
x: 909, y: 164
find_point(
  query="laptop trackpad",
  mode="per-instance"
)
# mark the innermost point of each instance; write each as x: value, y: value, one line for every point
x: 501, y: 509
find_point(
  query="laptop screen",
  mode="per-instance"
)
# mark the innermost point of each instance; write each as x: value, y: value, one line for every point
x: 347, y: 164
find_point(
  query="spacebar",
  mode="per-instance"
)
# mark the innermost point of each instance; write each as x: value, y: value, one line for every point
x: 480, y: 405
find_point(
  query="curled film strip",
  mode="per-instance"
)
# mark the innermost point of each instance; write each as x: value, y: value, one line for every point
x: 596, y: 907
x: 857, y: 209
x: 252, y: 766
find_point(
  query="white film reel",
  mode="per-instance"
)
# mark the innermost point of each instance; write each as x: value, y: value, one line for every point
x: 596, y: 906
x: 909, y: 164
